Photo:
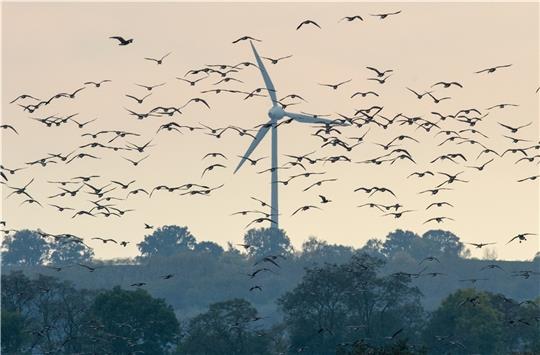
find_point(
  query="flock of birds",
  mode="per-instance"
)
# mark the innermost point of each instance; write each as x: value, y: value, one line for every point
x: 348, y: 133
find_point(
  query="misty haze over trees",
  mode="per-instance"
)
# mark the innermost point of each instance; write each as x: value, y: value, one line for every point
x: 406, y: 294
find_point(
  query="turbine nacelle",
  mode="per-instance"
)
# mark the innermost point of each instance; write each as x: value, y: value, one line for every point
x: 276, y: 112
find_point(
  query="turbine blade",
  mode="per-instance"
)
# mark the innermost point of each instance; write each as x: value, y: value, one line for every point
x: 266, y: 77
x: 258, y: 138
x: 308, y: 118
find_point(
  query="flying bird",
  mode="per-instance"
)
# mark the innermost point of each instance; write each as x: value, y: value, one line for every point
x: 493, y: 69
x: 307, y: 22
x: 385, y: 15
x: 122, y: 41
x: 160, y: 60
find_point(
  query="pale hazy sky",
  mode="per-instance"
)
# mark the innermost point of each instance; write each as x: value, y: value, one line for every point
x: 51, y: 48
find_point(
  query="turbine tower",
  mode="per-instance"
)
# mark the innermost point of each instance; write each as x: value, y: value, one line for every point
x: 275, y: 113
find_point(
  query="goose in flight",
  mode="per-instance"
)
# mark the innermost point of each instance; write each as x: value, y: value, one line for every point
x: 160, y: 60
x: 304, y: 208
x: 98, y: 83
x: 122, y: 41
x: 480, y: 245
x: 385, y: 15
x: 351, y: 18
x: 493, y: 69
x: 438, y: 219
x: 521, y: 237
x: 307, y: 22
x: 447, y: 84
x: 260, y: 220
x: 245, y: 38
x: 514, y: 129
x: 439, y: 204
x: 335, y: 86
x: 276, y: 60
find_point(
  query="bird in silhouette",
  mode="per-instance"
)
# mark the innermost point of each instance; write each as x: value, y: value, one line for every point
x: 447, y: 84
x: 335, y: 86
x: 418, y: 95
x: 438, y: 219
x: 97, y: 84
x: 150, y: 87
x: 491, y: 266
x: 20, y: 190
x: 380, y: 80
x: 276, y: 60
x: 122, y: 41
x: 256, y: 287
x: 307, y: 22
x: 319, y: 183
x: 192, y: 82
x: 481, y: 167
x: 89, y: 268
x: 531, y: 178
x: 385, y: 15
x: 351, y: 18
x: 105, y: 241
x: 304, y: 208
x: 364, y: 94
x: 260, y: 220
x: 514, y: 129
x: 6, y: 126
x: 147, y: 226
x: 520, y: 237
x: 160, y: 60
x: 136, y: 162
x: 245, y: 38
x: 430, y: 258
x: 141, y: 100
x: 439, y: 204
x: 501, y: 106
x: 324, y: 199
x: 211, y: 167
x: 24, y: 96
x: 421, y: 174
x: 480, y: 245
x: 493, y: 69
x: 167, y: 277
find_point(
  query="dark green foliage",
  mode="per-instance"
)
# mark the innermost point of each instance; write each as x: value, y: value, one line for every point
x: 64, y: 253
x: 228, y: 328
x: 14, y: 338
x: 267, y: 241
x: 131, y: 321
x: 345, y: 303
x: 167, y: 241
x: 472, y: 321
x: 25, y: 247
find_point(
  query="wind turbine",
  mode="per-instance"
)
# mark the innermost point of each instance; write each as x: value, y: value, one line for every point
x: 275, y: 113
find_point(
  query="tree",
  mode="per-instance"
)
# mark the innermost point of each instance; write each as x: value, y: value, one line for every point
x: 25, y: 247
x: 226, y: 328
x: 63, y: 253
x: 267, y: 241
x: 471, y: 321
x: 465, y: 323
x: 212, y: 248
x: 443, y: 243
x: 14, y: 337
x: 128, y: 322
x: 345, y: 303
x: 167, y: 241
x: 319, y: 250
x: 373, y: 247
x: 402, y: 241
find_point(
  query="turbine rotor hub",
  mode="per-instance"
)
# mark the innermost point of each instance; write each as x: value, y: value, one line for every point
x: 276, y: 112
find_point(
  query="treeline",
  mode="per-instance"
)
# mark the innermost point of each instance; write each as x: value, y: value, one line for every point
x: 350, y: 308
x: 204, y: 273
